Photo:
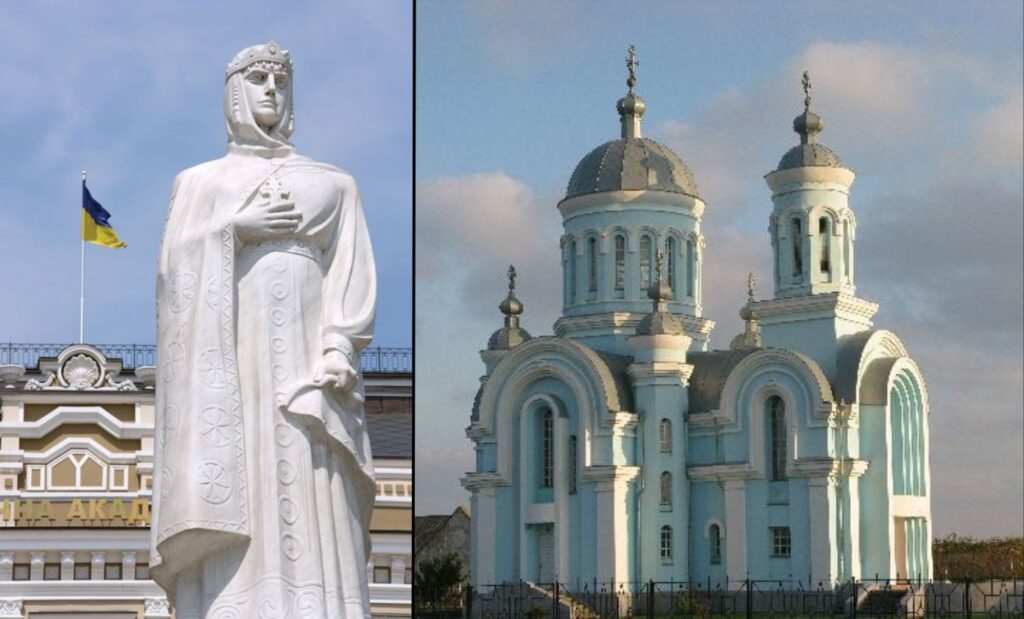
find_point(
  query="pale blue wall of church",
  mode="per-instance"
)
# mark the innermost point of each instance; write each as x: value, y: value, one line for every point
x: 874, y: 498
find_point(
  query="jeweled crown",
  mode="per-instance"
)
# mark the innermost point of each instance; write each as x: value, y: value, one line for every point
x: 271, y: 52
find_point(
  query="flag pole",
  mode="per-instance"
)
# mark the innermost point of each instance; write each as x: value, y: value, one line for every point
x: 81, y: 300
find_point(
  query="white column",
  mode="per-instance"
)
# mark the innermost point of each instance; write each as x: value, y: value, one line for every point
x: 606, y: 542
x: 736, y: 531
x: 486, y: 535
x: 98, y: 561
x: 397, y: 570
x: 67, y: 566
x: 613, y: 543
x: 6, y: 566
x: 561, y: 488
x: 823, y: 518
x: 128, y: 565
x: 853, y: 528
x: 36, y: 565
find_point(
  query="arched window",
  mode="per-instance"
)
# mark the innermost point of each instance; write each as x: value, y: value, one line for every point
x: 715, y: 544
x: 826, y: 246
x: 666, y: 490
x: 798, y: 248
x: 572, y: 271
x: 776, y: 250
x: 646, y: 258
x: 572, y: 464
x: 620, y: 263
x: 592, y: 264
x: 666, y: 544
x: 689, y: 268
x: 906, y: 407
x: 670, y: 255
x: 665, y: 434
x: 777, y: 436
x: 548, y: 449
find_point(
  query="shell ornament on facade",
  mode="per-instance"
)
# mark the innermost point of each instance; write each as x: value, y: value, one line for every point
x: 81, y: 372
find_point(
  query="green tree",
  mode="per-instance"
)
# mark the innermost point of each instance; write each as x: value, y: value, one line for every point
x: 438, y: 582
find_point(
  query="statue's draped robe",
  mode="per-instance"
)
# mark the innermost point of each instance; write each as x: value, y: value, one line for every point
x: 264, y: 481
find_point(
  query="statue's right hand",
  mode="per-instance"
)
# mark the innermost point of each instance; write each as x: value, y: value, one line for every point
x: 261, y: 222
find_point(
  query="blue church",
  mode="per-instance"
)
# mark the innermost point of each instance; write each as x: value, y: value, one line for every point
x: 622, y: 449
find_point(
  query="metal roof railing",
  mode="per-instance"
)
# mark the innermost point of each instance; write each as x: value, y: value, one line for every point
x: 377, y: 359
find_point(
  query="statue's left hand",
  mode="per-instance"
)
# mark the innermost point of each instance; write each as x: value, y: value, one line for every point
x: 336, y: 371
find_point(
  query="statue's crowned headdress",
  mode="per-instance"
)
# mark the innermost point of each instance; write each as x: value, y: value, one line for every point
x: 259, y: 54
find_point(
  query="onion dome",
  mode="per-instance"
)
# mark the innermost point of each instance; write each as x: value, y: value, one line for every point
x: 632, y: 162
x: 510, y: 335
x: 751, y: 336
x: 809, y: 152
x: 660, y: 321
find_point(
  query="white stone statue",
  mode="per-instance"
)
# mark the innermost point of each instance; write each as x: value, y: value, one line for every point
x: 265, y: 296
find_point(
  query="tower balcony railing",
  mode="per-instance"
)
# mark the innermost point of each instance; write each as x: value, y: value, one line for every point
x: 375, y: 360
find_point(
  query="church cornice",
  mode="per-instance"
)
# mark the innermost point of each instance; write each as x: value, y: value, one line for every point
x: 838, y: 304
x: 479, y: 481
x: 626, y: 323
x: 625, y: 200
x: 722, y: 472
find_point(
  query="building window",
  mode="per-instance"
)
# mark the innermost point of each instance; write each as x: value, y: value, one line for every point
x: 666, y: 544
x: 666, y: 491
x: 547, y: 439
x: 572, y: 464
x: 665, y: 430
x: 572, y: 271
x: 620, y: 263
x: 715, y: 544
x: 798, y: 248
x: 777, y: 434
x: 22, y: 571
x: 825, y: 245
x: 83, y: 571
x: 381, y: 574
x: 646, y: 258
x: 670, y: 263
x: 776, y: 249
x: 51, y: 571
x: 112, y: 571
x: 141, y: 571
x: 781, y: 542
x: 689, y: 268
x: 592, y: 264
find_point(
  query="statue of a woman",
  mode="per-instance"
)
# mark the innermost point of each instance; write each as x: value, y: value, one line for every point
x: 265, y: 297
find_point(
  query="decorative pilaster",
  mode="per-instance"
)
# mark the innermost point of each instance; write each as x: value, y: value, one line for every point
x: 67, y: 566
x: 6, y: 566
x: 613, y: 543
x: 128, y: 565
x: 736, y: 525
x: 99, y: 560
x: 823, y: 531
x: 397, y: 570
x: 36, y: 563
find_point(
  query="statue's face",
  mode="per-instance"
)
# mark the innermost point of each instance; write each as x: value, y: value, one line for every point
x: 267, y: 88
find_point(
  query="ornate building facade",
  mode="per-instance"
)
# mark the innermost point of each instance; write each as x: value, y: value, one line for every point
x: 622, y: 449
x: 76, y: 470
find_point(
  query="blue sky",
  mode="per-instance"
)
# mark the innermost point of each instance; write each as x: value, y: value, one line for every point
x: 132, y: 92
x: 923, y: 101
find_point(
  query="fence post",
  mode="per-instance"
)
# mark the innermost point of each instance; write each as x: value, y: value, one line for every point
x: 750, y: 599
x: 468, y: 603
x: 853, y: 588
x: 967, y: 596
x: 650, y: 598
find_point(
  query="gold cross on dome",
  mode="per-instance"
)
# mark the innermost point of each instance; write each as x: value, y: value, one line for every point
x: 751, y: 280
x: 631, y: 63
x: 511, y: 277
x: 806, y: 81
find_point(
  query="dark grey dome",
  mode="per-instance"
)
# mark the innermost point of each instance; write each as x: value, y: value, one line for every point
x: 508, y: 337
x: 631, y: 163
x: 811, y: 154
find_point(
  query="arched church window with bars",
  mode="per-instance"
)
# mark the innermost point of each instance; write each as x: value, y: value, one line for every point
x: 670, y: 263
x: 548, y: 449
x: 825, y: 243
x: 777, y: 437
x: 714, y: 544
x: 665, y: 434
x: 666, y: 544
x: 666, y: 491
x: 572, y: 271
x: 689, y: 268
x: 906, y: 408
x: 646, y: 258
x: 592, y: 264
x: 798, y: 247
x: 620, y: 263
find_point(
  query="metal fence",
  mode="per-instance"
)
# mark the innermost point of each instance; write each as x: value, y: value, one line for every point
x: 746, y: 598
x: 374, y: 360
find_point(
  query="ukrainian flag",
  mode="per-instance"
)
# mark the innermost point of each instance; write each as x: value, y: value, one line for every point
x: 96, y: 222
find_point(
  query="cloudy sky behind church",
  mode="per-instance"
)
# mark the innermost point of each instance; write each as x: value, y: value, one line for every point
x: 922, y: 100
x: 133, y: 93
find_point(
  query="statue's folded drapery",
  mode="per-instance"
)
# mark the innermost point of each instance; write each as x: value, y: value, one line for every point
x: 264, y: 482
